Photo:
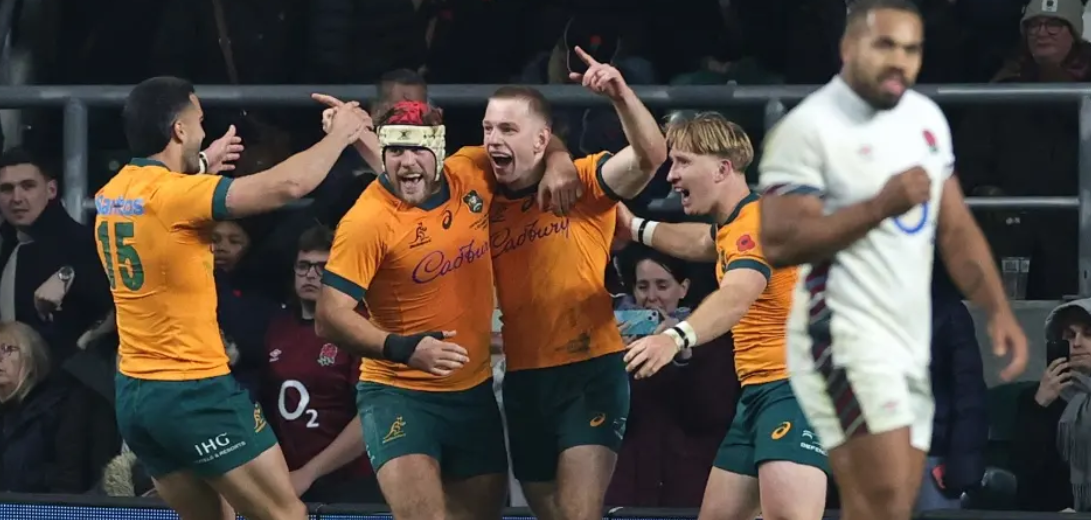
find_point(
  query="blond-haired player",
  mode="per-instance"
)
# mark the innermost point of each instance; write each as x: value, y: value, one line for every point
x: 770, y: 461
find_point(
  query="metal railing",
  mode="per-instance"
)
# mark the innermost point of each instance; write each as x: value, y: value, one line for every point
x: 76, y: 100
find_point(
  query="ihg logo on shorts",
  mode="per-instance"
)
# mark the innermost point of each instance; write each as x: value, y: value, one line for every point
x: 216, y: 447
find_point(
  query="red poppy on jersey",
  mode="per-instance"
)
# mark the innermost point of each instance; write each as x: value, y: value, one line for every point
x: 930, y: 140
x: 745, y: 243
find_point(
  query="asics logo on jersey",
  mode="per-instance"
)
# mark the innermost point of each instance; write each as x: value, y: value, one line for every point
x: 504, y: 242
x: 119, y: 206
x: 781, y: 431
x: 437, y: 264
x: 597, y: 420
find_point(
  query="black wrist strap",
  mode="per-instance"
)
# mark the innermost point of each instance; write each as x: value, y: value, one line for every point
x: 399, y: 348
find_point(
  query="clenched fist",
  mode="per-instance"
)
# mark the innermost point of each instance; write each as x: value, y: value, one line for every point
x: 904, y: 191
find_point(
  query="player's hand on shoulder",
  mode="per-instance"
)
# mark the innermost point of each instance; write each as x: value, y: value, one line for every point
x: 224, y: 151
x: 904, y: 191
x: 624, y: 224
x: 438, y: 357
x: 600, y: 78
x: 646, y: 356
x: 560, y: 188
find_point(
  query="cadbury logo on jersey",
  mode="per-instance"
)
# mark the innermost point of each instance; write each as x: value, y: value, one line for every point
x: 119, y: 206
x: 503, y: 241
x: 437, y: 264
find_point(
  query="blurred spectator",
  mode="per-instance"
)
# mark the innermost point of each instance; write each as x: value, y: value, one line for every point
x: 1032, y: 149
x: 960, y: 431
x: 243, y: 314
x: 52, y: 279
x: 309, y: 393
x: 677, y: 418
x: 398, y: 85
x: 125, y: 476
x: 29, y: 410
x: 1052, y: 456
x: 588, y: 130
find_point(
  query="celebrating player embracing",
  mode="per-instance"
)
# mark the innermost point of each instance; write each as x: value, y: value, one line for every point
x: 566, y: 393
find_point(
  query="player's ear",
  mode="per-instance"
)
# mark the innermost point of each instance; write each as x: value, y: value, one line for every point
x: 726, y: 169
x: 178, y: 131
x: 542, y: 140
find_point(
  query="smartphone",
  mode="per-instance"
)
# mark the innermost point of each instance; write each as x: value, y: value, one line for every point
x: 639, y: 322
x: 1056, y: 349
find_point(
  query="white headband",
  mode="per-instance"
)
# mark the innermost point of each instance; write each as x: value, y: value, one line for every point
x: 431, y: 137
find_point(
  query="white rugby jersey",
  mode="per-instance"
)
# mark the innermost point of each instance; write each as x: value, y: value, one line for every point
x: 872, y: 301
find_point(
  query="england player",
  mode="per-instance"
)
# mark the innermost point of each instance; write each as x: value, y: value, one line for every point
x: 415, y: 249
x: 565, y: 393
x: 769, y: 461
x: 859, y: 186
x: 178, y: 408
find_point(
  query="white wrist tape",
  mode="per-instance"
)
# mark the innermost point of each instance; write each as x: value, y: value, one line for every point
x: 683, y: 335
x: 642, y: 230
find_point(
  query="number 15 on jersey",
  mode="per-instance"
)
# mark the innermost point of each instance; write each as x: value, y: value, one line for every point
x: 120, y: 257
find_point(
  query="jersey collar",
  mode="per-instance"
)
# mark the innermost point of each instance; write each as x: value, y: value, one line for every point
x: 144, y: 161
x: 750, y: 197
x: 511, y: 194
x: 440, y: 198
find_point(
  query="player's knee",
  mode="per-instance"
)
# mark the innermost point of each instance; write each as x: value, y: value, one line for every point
x: 880, y: 499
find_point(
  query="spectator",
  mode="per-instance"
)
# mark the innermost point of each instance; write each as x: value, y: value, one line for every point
x: 398, y: 85
x: 243, y: 314
x: 960, y: 428
x: 28, y: 410
x: 309, y: 393
x: 1031, y: 149
x: 52, y: 279
x: 677, y: 418
x: 1053, y: 431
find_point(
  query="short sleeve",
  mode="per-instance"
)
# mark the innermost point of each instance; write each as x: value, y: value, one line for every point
x: 192, y: 200
x: 792, y: 160
x: 358, y: 250
x: 944, y: 140
x: 590, y: 171
x: 740, y: 247
x: 473, y: 160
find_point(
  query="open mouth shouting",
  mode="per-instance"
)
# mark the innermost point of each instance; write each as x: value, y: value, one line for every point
x: 502, y: 161
x: 411, y: 182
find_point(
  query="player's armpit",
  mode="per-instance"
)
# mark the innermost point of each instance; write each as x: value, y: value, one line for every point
x: 795, y: 230
x: 688, y: 241
x: 625, y: 174
x: 722, y: 309
x: 965, y: 251
x: 290, y: 180
x: 337, y: 321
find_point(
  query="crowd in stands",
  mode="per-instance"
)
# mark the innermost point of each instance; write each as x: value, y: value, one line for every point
x: 58, y: 433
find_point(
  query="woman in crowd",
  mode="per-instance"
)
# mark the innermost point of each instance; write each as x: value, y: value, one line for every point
x: 677, y: 418
x: 29, y: 404
x: 1051, y: 454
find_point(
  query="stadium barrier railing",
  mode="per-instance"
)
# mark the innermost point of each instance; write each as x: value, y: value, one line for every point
x: 76, y: 100
x: 16, y: 506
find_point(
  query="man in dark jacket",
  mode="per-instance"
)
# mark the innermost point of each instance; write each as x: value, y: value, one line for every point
x: 960, y: 428
x: 51, y: 278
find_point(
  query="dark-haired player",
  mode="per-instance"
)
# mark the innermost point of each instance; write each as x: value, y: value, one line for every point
x: 178, y: 407
x: 415, y: 249
x: 310, y: 392
x: 859, y: 189
x: 566, y: 393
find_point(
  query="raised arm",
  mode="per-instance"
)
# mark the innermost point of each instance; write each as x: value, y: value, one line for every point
x: 367, y: 146
x: 689, y: 240
x: 795, y: 226
x: 297, y: 176
x: 628, y: 172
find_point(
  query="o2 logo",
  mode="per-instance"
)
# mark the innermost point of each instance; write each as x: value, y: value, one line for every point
x: 301, y: 407
x: 914, y: 220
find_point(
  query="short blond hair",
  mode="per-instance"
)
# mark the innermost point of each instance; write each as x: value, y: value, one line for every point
x: 709, y: 133
x: 33, y: 352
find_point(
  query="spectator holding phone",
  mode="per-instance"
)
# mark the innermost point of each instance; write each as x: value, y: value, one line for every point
x: 1052, y: 456
x: 678, y: 417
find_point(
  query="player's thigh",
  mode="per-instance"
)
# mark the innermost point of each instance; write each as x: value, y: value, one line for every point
x: 542, y: 499
x: 591, y: 424
x: 791, y: 490
x: 404, y: 446
x: 413, y: 488
x: 736, y: 452
x: 729, y: 496
x: 474, y: 462
x: 583, y: 475
x: 259, y: 489
x: 191, y: 497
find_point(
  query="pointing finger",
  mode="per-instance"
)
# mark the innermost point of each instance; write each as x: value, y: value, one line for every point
x: 585, y: 57
x: 327, y: 100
